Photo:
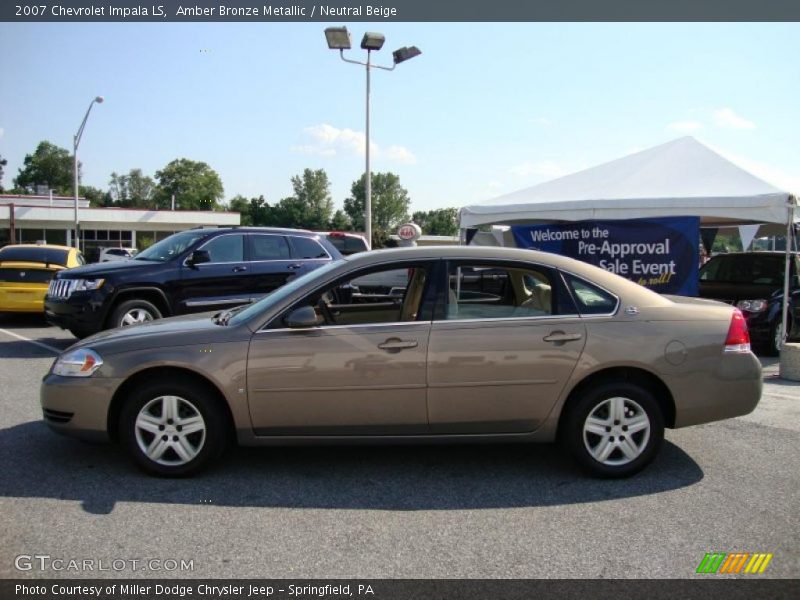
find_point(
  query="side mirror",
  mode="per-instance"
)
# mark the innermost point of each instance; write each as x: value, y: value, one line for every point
x: 198, y: 257
x: 302, y: 318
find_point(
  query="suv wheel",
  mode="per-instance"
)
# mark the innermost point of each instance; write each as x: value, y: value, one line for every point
x: 615, y: 429
x: 172, y: 429
x: 132, y: 312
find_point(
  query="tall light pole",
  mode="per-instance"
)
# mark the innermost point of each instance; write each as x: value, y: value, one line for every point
x: 339, y: 39
x: 75, y: 142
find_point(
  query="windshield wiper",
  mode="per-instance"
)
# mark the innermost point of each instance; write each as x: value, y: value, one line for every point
x: 225, y: 316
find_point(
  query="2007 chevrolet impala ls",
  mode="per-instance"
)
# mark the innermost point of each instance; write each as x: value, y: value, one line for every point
x: 482, y: 344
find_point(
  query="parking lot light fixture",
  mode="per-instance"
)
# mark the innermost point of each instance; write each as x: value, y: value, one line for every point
x: 76, y: 140
x: 339, y: 39
x: 372, y: 41
x: 405, y: 53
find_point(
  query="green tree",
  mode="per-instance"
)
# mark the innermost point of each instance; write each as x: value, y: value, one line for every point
x: 254, y: 211
x: 442, y: 221
x: 50, y: 166
x: 96, y: 197
x: 290, y: 212
x: 390, y: 204
x: 3, y: 163
x: 196, y: 186
x: 340, y: 221
x: 134, y: 190
x: 312, y: 193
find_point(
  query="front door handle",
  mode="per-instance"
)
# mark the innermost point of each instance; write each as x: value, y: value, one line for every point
x: 294, y: 266
x: 239, y: 269
x: 560, y: 336
x: 396, y: 344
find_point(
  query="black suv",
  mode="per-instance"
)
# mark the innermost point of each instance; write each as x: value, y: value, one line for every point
x: 192, y: 271
x: 753, y: 282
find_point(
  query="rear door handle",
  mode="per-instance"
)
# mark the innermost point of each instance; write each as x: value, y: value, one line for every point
x: 239, y: 269
x: 560, y: 336
x: 294, y: 267
x: 396, y: 344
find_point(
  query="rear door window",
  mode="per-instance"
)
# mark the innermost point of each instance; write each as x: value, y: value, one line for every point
x: 500, y: 292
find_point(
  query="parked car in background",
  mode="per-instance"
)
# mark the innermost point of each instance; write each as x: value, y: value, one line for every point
x: 26, y: 271
x: 191, y: 271
x: 485, y: 344
x: 114, y: 254
x: 753, y: 282
x: 346, y: 243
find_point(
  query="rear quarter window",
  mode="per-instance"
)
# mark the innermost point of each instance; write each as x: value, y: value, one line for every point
x: 308, y: 248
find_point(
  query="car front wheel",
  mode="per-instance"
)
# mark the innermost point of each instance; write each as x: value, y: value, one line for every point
x: 615, y: 429
x: 172, y: 429
x: 133, y: 312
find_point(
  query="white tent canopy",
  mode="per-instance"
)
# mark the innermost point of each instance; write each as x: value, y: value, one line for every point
x: 680, y: 178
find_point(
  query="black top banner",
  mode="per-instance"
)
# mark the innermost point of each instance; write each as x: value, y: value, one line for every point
x: 398, y: 10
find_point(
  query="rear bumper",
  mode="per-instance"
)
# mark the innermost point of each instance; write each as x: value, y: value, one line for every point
x: 22, y: 298
x: 737, y: 384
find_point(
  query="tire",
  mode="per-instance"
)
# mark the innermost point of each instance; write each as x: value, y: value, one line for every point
x: 154, y: 422
x: 604, y: 443
x: 132, y: 312
x: 772, y: 347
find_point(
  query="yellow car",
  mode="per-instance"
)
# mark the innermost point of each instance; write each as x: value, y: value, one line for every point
x: 26, y: 271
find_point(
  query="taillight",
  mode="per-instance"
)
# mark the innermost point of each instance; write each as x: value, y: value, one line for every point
x: 738, y: 339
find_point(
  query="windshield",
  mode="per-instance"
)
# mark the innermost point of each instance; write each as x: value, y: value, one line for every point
x: 170, y: 247
x: 753, y: 269
x: 280, y: 294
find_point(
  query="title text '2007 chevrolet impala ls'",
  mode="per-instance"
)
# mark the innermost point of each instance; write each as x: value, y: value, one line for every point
x: 483, y: 344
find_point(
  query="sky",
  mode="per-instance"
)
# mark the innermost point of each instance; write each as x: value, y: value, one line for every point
x: 487, y: 109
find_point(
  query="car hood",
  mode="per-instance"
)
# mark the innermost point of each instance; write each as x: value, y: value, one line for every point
x: 174, y: 331
x: 104, y: 269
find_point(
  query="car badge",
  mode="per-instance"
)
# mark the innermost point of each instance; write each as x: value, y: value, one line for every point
x: 22, y: 273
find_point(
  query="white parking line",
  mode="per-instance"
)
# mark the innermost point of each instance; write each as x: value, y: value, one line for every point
x: 24, y: 339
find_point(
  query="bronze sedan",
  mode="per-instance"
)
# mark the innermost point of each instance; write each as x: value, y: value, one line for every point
x: 478, y: 344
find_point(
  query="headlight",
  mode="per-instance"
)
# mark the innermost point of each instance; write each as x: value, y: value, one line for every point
x: 87, y: 285
x: 78, y: 363
x: 752, y: 306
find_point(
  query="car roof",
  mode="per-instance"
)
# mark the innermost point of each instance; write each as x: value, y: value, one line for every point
x: 254, y: 229
x: 596, y: 275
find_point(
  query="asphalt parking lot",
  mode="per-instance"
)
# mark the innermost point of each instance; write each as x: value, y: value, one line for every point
x: 398, y: 512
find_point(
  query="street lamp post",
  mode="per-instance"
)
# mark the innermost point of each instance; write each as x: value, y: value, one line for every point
x: 339, y: 39
x: 76, y: 140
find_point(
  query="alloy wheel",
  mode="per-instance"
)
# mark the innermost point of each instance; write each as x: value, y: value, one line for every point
x: 134, y: 316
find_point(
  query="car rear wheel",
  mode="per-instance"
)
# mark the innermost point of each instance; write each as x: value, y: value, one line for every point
x: 173, y: 429
x: 615, y: 429
x: 133, y: 312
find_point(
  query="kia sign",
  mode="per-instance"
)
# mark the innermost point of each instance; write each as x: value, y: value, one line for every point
x: 409, y: 233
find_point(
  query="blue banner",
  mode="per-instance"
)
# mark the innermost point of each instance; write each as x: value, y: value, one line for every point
x: 660, y: 253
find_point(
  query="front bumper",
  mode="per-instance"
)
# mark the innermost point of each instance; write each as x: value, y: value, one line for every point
x: 83, y: 312
x: 78, y: 406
